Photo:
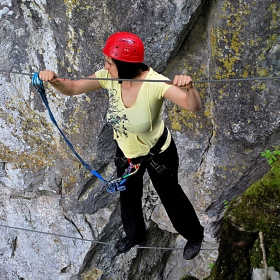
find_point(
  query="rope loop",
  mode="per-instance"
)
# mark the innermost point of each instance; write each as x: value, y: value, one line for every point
x: 37, y: 82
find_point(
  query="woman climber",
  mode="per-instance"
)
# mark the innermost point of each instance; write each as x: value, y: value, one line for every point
x: 135, y: 113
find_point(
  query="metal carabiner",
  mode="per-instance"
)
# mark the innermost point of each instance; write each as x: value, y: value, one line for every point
x: 116, y: 185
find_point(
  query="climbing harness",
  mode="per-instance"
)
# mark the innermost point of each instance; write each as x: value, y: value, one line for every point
x: 118, y: 184
x: 111, y: 185
x: 158, y: 168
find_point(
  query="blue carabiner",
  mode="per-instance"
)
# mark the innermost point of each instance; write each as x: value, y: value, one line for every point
x: 116, y: 185
x: 121, y: 187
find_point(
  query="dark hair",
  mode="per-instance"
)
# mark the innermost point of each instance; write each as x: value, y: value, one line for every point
x: 129, y: 70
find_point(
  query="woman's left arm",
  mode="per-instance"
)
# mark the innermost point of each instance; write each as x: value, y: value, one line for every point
x: 188, y: 99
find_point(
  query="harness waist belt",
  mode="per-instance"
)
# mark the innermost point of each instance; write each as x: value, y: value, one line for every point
x: 153, y: 151
x: 157, y: 148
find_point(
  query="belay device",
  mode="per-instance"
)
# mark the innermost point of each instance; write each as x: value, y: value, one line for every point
x: 111, y: 185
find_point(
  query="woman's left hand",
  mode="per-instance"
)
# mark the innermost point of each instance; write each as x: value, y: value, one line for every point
x: 183, y: 81
x: 188, y: 99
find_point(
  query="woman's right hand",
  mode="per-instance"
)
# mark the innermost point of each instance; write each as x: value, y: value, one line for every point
x: 47, y: 75
x: 67, y: 86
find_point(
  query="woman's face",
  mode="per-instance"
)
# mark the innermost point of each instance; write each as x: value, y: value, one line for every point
x: 111, y: 67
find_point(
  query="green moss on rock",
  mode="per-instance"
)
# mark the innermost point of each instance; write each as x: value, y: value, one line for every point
x: 257, y: 210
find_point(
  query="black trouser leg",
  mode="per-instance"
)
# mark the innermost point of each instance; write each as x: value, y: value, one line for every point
x: 131, y: 205
x: 177, y: 205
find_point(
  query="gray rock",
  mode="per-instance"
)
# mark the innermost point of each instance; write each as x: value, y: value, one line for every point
x: 45, y: 188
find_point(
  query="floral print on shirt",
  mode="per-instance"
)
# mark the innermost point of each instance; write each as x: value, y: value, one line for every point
x: 115, y: 117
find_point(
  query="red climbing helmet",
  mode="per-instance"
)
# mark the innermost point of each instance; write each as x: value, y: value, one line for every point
x: 125, y: 46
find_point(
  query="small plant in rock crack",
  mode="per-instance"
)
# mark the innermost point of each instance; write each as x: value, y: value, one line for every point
x: 210, y: 265
x: 272, y: 156
x: 225, y: 202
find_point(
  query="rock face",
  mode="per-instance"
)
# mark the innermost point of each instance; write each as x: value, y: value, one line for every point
x: 44, y: 188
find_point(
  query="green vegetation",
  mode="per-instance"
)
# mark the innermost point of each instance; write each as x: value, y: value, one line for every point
x: 256, y: 211
x: 272, y: 155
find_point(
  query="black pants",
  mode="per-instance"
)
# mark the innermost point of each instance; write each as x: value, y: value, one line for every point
x: 174, y: 200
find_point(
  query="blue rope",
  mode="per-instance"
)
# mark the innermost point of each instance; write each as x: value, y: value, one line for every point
x: 112, y: 186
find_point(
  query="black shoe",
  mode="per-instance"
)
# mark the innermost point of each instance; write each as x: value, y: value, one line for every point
x: 192, y: 248
x: 125, y: 244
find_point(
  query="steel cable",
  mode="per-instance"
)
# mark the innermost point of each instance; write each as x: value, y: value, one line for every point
x: 91, y: 240
x: 147, y: 80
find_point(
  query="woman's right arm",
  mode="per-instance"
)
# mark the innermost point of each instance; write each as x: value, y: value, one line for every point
x: 69, y: 87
